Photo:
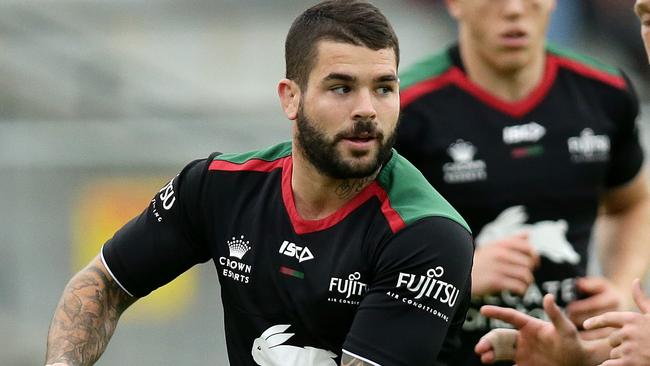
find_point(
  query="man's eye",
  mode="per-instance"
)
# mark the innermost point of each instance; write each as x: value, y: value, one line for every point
x: 340, y: 89
x: 384, y: 90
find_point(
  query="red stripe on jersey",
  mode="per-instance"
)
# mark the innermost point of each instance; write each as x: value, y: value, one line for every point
x: 394, y: 219
x: 590, y: 72
x: 457, y: 77
x: 256, y: 165
x: 302, y: 226
x: 415, y: 91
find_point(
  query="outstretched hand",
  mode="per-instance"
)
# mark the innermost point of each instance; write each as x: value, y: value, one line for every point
x: 536, y: 342
x: 630, y: 341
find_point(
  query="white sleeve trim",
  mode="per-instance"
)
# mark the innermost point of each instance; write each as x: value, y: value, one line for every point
x: 361, y: 358
x: 101, y: 254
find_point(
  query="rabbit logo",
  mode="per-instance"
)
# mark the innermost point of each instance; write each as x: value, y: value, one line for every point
x: 548, y: 237
x: 268, y: 350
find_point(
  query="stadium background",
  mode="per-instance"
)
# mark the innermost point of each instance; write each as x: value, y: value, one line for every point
x: 101, y: 102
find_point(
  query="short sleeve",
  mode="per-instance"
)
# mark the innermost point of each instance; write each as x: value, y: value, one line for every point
x: 626, y: 154
x: 418, y: 296
x: 165, y: 240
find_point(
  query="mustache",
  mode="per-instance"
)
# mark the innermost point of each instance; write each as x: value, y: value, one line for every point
x: 361, y: 129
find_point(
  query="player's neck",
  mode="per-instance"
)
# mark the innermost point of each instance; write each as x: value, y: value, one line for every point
x: 510, y: 85
x: 316, y: 195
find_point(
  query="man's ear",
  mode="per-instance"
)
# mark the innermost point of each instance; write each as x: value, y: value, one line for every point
x: 289, y: 93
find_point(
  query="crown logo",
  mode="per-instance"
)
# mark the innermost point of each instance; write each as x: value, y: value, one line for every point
x: 238, y: 247
x: 462, y: 151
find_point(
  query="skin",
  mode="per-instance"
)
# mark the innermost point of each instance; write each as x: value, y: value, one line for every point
x: 642, y: 9
x: 86, y: 317
x: 535, y: 342
x: 540, y: 343
x: 505, y: 65
x: 502, y: 45
x: 347, y: 84
x: 630, y: 340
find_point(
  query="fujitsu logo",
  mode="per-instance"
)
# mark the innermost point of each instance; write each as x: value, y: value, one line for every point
x: 349, y: 287
x: 238, y: 247
x: 292, y: 250
x: 429, y: 286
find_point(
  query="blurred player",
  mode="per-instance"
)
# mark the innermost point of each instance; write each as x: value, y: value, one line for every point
x: 531, y: 144
x: 539, y: 343
x: 642, y: 9
x: 330, y: 249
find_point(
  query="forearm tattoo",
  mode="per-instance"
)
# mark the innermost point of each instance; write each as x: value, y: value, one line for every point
x: 85, y: 318
x: 347, y: 360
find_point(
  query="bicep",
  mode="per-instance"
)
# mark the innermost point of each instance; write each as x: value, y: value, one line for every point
x: 621, y: 198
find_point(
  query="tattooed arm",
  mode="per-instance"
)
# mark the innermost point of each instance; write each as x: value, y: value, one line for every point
x: 86, y: 317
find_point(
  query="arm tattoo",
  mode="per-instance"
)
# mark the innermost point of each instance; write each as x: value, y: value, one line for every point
x: 86, y: 317
x: 347, y: 360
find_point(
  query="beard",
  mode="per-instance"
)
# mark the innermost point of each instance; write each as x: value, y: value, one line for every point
x: 322, y: 153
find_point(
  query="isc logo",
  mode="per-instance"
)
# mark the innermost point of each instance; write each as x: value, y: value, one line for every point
x: 292, y: 250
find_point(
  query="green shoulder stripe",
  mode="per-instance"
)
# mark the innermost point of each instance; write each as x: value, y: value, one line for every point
x: 583, y: 59
x: 428, y: 68
x: 270, y: 154
x: 411, y: 195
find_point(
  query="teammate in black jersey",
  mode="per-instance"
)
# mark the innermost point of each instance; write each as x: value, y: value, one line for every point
x: 538, y: 343
x: 530, y: 142
x: 330, y: 249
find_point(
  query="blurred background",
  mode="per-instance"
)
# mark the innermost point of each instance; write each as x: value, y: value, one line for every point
x: 102, y: 102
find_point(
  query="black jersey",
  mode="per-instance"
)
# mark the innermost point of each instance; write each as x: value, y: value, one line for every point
x: 539, y: 164
x: 385, y: 278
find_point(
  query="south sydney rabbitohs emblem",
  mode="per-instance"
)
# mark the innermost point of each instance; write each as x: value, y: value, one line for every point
x: 589, y: 147
x: 464, y: 168
x: 233, y: 266
x: 347, y: 290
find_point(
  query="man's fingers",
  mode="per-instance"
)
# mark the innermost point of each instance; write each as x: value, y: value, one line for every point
x: 522, y: 245
x: 559, y: 320
x: 511, y: 316
x: 501, y: 341
x: 591, y: 285
x: 615, y: 319
x: 641, y: 300
x: 615, y: 339
x: 594, y: 334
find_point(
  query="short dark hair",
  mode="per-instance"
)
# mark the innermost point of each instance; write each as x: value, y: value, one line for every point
x: 348, y: 21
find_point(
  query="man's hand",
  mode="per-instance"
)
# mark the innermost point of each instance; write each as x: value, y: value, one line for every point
x: 538, y: 343
x: 630, y: 341
x: 602, y: 296
x: 505, y: 264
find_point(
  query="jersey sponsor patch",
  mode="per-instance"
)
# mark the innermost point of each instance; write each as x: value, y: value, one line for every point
x: 589, y: 147
x: 347, y: 290
x: 527, y: 133
x: 293, y: 250
x: 233, y: 266
x: 464, y: 168
x: 425, y: 291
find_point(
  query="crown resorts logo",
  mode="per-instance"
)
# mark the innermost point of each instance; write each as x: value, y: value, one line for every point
x: 464, y: 168
x: 236, y: 269
x: 238, y: 247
